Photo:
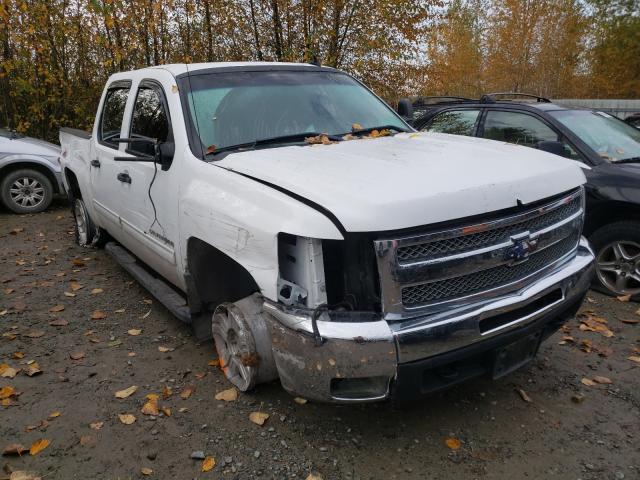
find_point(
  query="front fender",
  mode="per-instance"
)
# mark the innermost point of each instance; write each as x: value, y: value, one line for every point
x: 242, y: 218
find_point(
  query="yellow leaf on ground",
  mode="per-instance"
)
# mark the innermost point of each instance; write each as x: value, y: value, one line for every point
x: 32, y: 369
x: 76, y: 355
x: 134, y: 332
x: 75, y: 286
x: 146, y: 471
x: 96, y: 291
x: 98, y: 315
x: 258, y: 417
x: 57, y: 308
x: 55, y: 414
x: 126, y: 392
x: 604, y: 380
x: 588, y: 382
x: 452, y: 443
x: 24, y: 475
x: 96, y: 425
x: 8, y: 372
x: 300, y: 400
x: 208, y: 463
x: 126, y: 418
x: 166, y: 411
x: 7, y: 391
x: 313, y: 476
x: 38, y: 446
x: 151, y: 407
x: 624, y: 298
x: 17, y: 355
x: 214, y: 363
x: 69, y: 294
x: 524, y: 395
x: 633, y: 358
x: 186, y: 393
x: 164, y: 349
x: 167, y: 392
x: 120, y: 310
x: 229, y: 395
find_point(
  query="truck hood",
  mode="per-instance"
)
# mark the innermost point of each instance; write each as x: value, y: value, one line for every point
x: 410, y: 179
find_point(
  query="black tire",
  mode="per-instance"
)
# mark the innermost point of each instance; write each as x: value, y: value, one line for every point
x: 621, y: 264
x: 26, y: 191
x: 87, y: 234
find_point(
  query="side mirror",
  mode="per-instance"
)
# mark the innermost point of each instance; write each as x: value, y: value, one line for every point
x: 557, y: 148
x: 405, y: 109
x: 164, y: 154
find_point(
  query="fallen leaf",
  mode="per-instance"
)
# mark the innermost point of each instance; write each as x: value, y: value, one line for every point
x: 151, y: 407
x: 164, y: 349
x: 38, y: 446
x: 78, y: 263
x: 9, y: 336
x: 58, y: 322
x: 115, y: 343
x: 148, y: 301
x: 134, y: 332
x: 166, y: 411
x: 17, y: 355
x: 16, y: 231
x: 229, y: 395
x: 146, y: 471
x: 258, y: 417
x: 120, y: 310
x: 146, y: 315
x: 55, y: 414
x: 452, y: 443
x: 34, y: 334
x: 32, y: 369
x: 167, y: 392
x: 624, y: 298
x: 186, y: 393
x: 588, y: 382
x: 95, y: 291
x: 56, y: 308
x: 8, y: 372
x: 126, y: 418
x: 96, y: 425
x: 313, y: 476
x: 321, y: 139
x: 208, y: 463
x: 577, y: 398
x: 9, y: 290
x: 131, y: 354
x: 524, y: 395
x: 98, y: 315
x: 634, y: 358
x: 76, y: 355
x: 7, y: 391
x: 69, y: 294
x: 603, y: 380
x: 629, y: 321
x: 126, y: 392
x: 214, y: 363
x: 300, y: 400
x: 24, y: 475
x: 88, y: 441
x: 14, y: 449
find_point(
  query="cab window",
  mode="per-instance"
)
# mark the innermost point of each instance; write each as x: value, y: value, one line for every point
x: 112, y: 114
x: 149, y: 119
x: 456, y: 122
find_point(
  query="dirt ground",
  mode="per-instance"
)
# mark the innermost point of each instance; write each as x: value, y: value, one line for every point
x: 567, y: 430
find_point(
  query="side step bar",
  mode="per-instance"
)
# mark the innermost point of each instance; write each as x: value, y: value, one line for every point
x: 160, y: 289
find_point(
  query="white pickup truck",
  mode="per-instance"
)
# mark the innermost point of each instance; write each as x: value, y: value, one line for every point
x: 287, y: 211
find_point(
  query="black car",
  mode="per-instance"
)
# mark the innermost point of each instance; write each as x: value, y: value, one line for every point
x: 609, y: 146
x: 633, y: 120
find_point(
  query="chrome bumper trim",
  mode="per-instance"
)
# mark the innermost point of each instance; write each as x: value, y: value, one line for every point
x: 357, y: 349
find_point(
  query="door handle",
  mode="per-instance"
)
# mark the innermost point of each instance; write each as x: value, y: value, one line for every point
x: 95, y: 163
x: 124, y: 177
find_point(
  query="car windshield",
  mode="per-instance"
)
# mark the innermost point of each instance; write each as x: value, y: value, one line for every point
x: 235, y: 108
x: 608, y: 136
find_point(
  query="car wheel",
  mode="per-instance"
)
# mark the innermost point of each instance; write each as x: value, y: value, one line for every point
x: 617, y: 248
x: 26, y: 191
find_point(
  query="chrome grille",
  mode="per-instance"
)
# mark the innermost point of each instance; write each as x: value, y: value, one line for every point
x: 486, y: 279
x: 483, y: 239
x: 440, y: 268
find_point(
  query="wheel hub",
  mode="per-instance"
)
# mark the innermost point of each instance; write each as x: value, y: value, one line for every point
x: 618, y: 267
x: 26, y: 192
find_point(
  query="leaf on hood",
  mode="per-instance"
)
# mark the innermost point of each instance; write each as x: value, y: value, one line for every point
x: 208, y: 463
x: 258, y: 417
x: 96, y: 425
x: 126, y: 418
x: 588, y: 382
x: 126, y: 392
x: 98, y: 315
x: 186, y: 393
x: 59, y: 322
x: 34, y: 334
x: 321, y: 139
x: 229, y: 395
x: 602, y: 380
x: 453, y: 443
x: 56, y: 308
x: 146, y: 471
x: 14, y: 449
x: 134, y: 332
x: 32, y: 369
x: 38, y: 446
x: 76, y: 355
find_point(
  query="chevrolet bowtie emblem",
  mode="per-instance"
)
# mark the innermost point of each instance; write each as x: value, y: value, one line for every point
x: 523, y: 246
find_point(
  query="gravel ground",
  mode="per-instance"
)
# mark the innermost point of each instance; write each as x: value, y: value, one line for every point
x: 566, y: 429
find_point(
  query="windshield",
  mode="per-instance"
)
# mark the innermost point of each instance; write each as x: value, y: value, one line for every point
x: 237, y: 108
x: 608, y: 136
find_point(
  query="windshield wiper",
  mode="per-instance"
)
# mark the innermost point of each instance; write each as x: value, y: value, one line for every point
x: 628, y: 160
x: 379, y: 128
x: 296, y: 137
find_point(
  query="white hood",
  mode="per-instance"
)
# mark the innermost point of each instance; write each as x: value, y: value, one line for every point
x: 410, y: 179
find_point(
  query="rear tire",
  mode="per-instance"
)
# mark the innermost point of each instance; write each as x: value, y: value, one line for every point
x: 87, y: 234
x: 26, y: 191
x: 617, y: 249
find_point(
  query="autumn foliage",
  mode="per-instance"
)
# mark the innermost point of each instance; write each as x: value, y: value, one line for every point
x: 56, y: 54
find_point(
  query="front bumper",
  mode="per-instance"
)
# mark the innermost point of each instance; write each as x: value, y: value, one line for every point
x: 361, y: 361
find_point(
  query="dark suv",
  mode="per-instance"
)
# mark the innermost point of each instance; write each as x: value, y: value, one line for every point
x: 607, y: 145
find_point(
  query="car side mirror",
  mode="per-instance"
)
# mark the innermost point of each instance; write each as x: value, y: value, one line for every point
x: 164, y: 154
x: 557, y: 148
x: 405, y: 109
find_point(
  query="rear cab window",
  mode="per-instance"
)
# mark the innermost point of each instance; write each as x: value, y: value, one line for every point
x: 455, y: 122
x: 112, y: 113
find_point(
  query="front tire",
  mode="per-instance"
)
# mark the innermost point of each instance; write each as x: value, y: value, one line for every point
x: 617, y: 248
x: 26, y: 191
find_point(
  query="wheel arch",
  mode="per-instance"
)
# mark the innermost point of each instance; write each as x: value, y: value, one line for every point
x: 606, y: 213
x: 29, y: 164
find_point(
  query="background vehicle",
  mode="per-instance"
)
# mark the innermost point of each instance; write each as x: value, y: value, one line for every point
x: 30, y: 173
x: 607, y: 145
x: 339, y: 262
x: 633, y: 120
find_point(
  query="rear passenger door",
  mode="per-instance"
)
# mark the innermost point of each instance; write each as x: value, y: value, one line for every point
x: 522, y: 129
x: 456, y: 122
